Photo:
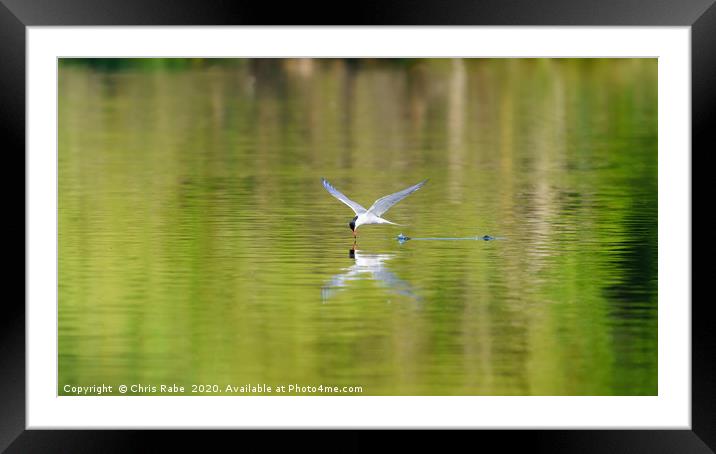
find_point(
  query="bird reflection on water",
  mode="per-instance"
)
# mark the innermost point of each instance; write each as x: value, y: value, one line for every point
x: 368, y: 267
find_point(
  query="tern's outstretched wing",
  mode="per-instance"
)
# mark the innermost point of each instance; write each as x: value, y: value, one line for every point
x: 384, y: 203
x: 356, y: 207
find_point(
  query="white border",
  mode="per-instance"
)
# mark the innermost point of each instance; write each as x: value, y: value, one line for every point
x: 671, y: 409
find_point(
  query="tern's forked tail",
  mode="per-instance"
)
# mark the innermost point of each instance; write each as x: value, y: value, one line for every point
x: 385, y: 221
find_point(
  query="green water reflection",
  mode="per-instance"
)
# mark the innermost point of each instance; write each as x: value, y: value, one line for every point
x: 197, y: 245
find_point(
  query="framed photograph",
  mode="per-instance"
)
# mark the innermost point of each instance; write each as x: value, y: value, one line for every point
x: 404, y: 225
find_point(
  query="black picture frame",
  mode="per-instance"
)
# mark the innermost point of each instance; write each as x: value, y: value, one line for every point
x: 700, y: 15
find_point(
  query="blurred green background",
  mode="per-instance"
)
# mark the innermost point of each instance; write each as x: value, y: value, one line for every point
x: 197, y: 245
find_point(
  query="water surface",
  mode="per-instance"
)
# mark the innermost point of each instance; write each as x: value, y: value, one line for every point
x: 198, y: 246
